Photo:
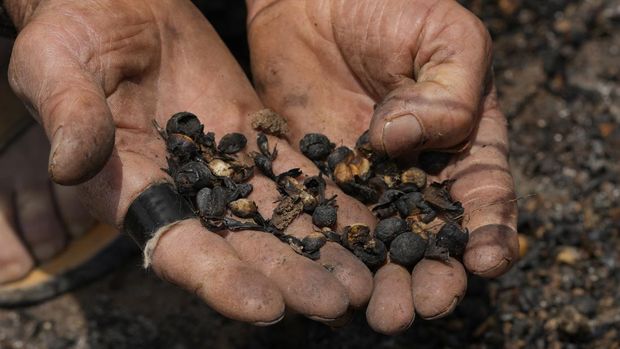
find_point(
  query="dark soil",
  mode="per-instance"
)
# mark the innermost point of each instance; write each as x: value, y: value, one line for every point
x: 557, y: 69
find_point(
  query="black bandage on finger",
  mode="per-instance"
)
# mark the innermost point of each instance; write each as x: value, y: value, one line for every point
x: 159, y: 206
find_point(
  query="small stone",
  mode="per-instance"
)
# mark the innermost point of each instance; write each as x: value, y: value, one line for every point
x: 568, y: 255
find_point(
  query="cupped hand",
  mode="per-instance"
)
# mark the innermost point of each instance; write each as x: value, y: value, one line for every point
x: 417, y: 73
x: 96, y: 74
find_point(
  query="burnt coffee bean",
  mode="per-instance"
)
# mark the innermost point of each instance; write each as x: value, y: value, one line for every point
x: 362, y: 144
x: 263, y: 145
x: 373, y: 253
x: 386, y: 168
x: 232, y: 143
x: 355, y: 235
x: 453, y: 238
x: 407, y: 187
x: 212, y: 202
x: 438, y: 195
x: 408, y: 204
x: 436, y: 251
x: 207, y: 140
x: 192, y: 177
x: 337, y: 156
x: 263, y: 163
x: 243, y: 190
x: 414, y: 176
x: 407, y: 249
x: 220, y: 168
x: 313, y: 242
x: 185, y: 123
x: 315, y: 185
x: 294, y: 243
x: 324, y: 216
x: 244, y: 208
x: 331, y: 235
x: 361, y: 192
x: 433, y: 162
x: 390, y: 228
x: 316, y: 146
x: 386, y: 206
x: 182, y: 147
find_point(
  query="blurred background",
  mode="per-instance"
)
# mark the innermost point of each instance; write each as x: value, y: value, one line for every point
x: 557, y: 65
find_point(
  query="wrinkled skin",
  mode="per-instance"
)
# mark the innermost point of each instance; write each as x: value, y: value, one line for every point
x: 96, y: 74
x: 427, y: 67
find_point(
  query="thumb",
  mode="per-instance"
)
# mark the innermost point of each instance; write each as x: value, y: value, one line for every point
x: 68, y: 101
x: 437, y: 107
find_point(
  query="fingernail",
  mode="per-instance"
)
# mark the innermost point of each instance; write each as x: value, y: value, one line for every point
x: 56, y: 141
x: 491, y: 250
x: 449, y: 309
x: 401, y: 134
x: 268, y: 323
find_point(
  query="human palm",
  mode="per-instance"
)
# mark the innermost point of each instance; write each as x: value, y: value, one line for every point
x: 417, y: 73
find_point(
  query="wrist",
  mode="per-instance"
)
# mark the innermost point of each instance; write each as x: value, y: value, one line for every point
x: 19, y: 11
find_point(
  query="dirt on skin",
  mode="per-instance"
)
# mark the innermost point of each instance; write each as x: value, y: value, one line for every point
x: 557, y: 72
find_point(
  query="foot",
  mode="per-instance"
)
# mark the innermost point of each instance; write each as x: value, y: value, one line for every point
x: 37, y: 217
x: 425, y: 65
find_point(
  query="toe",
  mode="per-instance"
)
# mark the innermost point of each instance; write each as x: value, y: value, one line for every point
x: 15, y: 261
x: 39, y: 222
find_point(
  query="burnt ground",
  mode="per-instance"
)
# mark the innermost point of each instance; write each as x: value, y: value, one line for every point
x: 557, y: 71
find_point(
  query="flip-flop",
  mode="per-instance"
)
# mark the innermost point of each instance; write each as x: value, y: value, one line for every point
x: 86, y: 258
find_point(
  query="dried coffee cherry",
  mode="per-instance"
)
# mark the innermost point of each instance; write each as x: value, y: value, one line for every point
x: 182, y: 147
x: 244, y: 208
x: 390, y: 228
x: 313, y: 242
x: 192, y: 177
x: 407, y: 249
x: 324, y: 216
x: 185, y: 123
x: 232, y: 143
x: 373, y: 253
x: 453, y: 238
x: 212, y: 202
x: 337, y: 156
x: 316, y: 146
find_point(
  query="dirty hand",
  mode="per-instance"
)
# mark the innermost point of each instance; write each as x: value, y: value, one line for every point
x: 96, y: 74
x: 426, y: 65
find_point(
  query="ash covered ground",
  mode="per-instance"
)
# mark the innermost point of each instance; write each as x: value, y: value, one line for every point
x: 557, y: 70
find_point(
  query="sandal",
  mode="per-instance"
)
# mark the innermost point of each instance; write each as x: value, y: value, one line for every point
x: 84, y: 259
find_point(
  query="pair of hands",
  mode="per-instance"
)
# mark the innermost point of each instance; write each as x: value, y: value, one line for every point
x: 96, y: 73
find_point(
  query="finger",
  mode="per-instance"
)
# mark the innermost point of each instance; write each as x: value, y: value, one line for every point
x: 186, y: 254
x: 436, y: 106
x: 15, y: 261
x: 67, y: 100
x: 390, y: 310
x: 343, y: 265
x: 437, y: 287
x: 485, y: 187
x: 206, y: 265
x: 38, y: 220
x: 307, y: 287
